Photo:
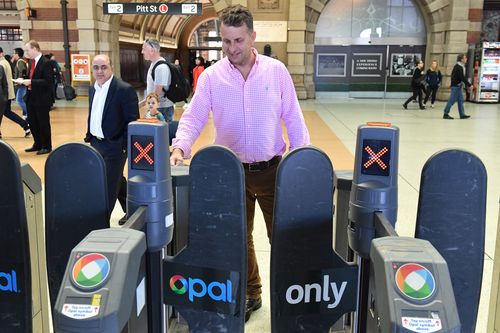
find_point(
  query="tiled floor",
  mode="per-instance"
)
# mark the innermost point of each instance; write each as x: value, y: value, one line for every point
x: 333, y: 124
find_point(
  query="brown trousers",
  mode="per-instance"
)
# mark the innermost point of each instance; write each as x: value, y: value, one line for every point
x: 259, y: 186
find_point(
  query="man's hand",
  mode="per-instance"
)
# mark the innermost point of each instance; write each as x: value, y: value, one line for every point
x: 177, y: 157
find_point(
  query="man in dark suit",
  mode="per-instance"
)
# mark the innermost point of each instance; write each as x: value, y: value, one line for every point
x: 113, y: 104
x: 38, y: 101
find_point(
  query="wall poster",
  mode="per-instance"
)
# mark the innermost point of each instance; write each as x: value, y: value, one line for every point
x: 403, y: 64
x: 367, y: 64
x: 331, y: 64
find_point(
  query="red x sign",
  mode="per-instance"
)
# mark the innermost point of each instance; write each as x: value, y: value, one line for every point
x: 143, y: 153
x: 375, y: 157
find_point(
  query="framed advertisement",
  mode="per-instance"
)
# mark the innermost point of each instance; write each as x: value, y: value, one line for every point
x: 331, y: 64
x: 80, y: 64
x: 367, y: 64
x: 403, y: 64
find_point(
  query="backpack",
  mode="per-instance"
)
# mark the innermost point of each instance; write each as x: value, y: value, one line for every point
x: 22, y: 72
x: 179, y: 88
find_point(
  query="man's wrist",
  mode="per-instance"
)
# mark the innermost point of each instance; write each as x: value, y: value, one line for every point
x: 178, y: 150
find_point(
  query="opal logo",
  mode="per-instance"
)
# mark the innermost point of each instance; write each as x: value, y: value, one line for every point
x: 198, y: 288
x: 415, y: 281
x: 90, y: 270
x: 181, y: 286
x: 8, y: 281
x: 315, y: 292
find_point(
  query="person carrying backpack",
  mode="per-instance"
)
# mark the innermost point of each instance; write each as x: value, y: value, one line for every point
x: 158, y: 78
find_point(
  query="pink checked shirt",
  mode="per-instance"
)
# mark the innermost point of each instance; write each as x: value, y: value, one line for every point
x: 247, y: 114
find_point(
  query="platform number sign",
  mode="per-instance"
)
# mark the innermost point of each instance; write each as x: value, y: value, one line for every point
x: 142, y: 152
x: 376, y: 158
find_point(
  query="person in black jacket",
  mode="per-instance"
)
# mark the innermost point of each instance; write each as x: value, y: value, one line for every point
x: 458, y: 80
x: 433, y: 78
x: 113, y: 104
x: 416, y: 86
x: 38, y: 101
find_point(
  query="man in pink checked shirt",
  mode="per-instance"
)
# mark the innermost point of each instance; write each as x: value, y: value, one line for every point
x: 249, y: 95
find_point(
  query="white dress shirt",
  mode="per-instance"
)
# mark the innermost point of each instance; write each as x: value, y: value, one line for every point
x: 98, y: 108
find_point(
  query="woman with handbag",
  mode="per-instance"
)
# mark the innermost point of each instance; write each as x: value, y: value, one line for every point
x: 416, y: 86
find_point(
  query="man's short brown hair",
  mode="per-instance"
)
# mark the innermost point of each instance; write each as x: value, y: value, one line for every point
x: 236, y: 16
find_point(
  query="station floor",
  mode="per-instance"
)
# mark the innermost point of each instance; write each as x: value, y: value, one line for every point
x: 333, y: 123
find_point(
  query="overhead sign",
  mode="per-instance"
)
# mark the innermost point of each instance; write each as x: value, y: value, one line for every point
x: 135, y: 8
x: 81, y: 67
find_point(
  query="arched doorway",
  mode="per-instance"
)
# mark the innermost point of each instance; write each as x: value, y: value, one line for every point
x: 205, y: 41
x: 367, y: 48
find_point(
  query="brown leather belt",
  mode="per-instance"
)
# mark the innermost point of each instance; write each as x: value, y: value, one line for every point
x: 263, y: 165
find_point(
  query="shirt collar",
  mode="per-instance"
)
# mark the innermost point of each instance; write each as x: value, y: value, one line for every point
x: 37, y: 58
x: 105, y: 85
x: 254, y: 50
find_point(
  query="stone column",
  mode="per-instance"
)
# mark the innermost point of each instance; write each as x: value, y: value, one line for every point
x: 296, y: 48
x: 457, y: 26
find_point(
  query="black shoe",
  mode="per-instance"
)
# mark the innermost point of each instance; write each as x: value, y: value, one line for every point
x: 252, y: 305
x: 447, y: 116
x: 31, y: 149
x: 405, y: 106
x: 422, y: 107
x: 43, y: 151
x: 464, y: 116
x: 27, y: 132
x: 123, y: 220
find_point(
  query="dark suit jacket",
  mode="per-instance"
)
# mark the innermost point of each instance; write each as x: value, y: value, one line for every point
x: 121, y: 107
x: 42, y: 84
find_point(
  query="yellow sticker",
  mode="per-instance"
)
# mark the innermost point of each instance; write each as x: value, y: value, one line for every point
x: 96, y: 300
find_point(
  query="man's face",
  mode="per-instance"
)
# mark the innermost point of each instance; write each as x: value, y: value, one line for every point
x: 15, y: 57
x: 237, y: 43
x: 464, y: 60
x: 30, y: 52
x: 102, y: 69
x: 147, y: 51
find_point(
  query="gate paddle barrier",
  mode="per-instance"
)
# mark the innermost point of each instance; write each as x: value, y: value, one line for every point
x: 206, y: 282
x: 311, y: 286
x: 451, y: 216
x: 15, y: 269
x: 76, y: 203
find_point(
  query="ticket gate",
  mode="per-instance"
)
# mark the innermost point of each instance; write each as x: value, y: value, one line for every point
x: 311, y: 286
x: 23, y: 292
x: 15, y: 268
x: 393, y: 288
x: 205, y: 281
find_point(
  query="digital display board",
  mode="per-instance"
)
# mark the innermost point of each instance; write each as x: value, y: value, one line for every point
x: 376, y: 158
x: 142, y: 152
